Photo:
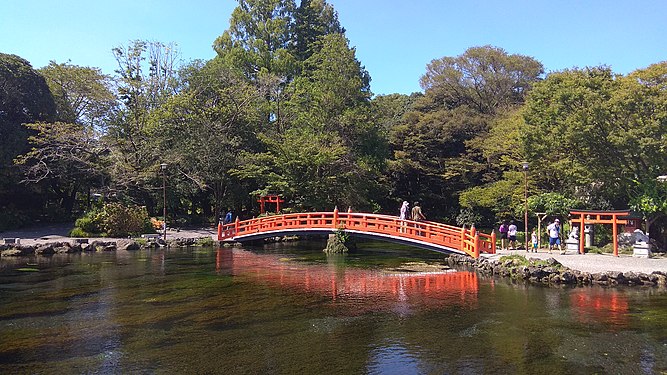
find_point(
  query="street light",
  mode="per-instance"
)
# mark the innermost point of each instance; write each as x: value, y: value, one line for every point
x: 525, y: 201
x: 163, y: 167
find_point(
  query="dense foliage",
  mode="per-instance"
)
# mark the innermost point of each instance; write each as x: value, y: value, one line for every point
x: 286, y: 108
x: 113, y: 220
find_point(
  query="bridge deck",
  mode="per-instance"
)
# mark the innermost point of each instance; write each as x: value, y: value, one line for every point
x: 424, y: 234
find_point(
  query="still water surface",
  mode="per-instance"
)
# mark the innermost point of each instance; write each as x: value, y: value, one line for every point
x: 291, y: 309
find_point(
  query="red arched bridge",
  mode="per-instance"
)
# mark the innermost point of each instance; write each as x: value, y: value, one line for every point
x: 424, y: 234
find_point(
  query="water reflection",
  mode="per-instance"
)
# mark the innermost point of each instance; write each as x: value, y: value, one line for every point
x: 600, y: 305
x: 393, y: 291
x: 293, y: 311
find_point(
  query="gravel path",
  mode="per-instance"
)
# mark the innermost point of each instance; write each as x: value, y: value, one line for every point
x: 596, y: 263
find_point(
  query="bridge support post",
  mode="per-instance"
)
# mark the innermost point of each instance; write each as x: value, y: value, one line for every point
x: 236, y: 226
x: 219, y: 231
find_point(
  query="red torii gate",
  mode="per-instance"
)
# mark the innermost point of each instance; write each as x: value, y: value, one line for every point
x: 583, y: 217
x: 263, y: 200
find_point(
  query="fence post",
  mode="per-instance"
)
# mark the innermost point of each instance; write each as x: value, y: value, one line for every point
x: 219, y: 231
x: 473, y: 234
x: 463, y: 237
x: 236, y: 226
x: 335, y: 217
x: 493, y: 241
x: 476, y: 249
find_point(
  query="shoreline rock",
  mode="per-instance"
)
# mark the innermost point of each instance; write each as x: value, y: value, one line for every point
x: 68, y: 247
x: 550, y: 271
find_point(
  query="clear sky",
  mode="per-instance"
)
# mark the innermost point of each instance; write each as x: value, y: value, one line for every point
x: 394, y: 39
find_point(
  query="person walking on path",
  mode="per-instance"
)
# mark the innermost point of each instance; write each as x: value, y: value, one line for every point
x: 511, y: 234
x: 554, y: 235
x: 533, y: 240
x: 503, y: 235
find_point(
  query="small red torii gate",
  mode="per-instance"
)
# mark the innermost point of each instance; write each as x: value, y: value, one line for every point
x: 583, y: 217
x: 263, y: 200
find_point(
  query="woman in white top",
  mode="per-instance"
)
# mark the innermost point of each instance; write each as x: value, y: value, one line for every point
x: 511, y: 234
x: 405, y: 208
x: 405, y: 211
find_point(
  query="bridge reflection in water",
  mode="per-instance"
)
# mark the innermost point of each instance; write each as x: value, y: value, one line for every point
x: 384, y: 289
x: 600, y: 305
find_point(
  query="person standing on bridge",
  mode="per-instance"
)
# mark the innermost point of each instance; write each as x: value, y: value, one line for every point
x: 403, y: 214
x: 417, y: 214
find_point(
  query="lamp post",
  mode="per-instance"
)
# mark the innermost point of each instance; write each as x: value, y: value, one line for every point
x: 525, y: 201
x: 163, y: 167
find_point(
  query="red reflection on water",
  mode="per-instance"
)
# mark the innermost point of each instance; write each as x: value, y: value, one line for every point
x: 598, y: 305
x: 400, y: 290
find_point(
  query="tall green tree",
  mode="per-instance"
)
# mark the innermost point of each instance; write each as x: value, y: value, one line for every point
x: 330, y: 152
x: 147, y: 76
x: 24, y: 98
x: 438, y: 147
x: 66, y: 159
x: 596, y: 132
x: 313, y: 20
x: 258, y: 39
x: 82, y: 94
x: 487, y: 79
x: 204, y: 129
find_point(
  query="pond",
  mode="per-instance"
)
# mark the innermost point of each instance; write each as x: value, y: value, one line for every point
x: 289, y: 308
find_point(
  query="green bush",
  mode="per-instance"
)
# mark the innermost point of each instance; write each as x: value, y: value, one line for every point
x: 91, y: 222
x: 113, y: 220
x: 123, y: 221
x: 78, y: 232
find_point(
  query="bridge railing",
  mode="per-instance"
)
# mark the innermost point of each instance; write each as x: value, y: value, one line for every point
x: 469, y: 241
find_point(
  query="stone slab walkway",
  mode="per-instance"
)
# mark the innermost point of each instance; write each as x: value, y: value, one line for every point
x: 595, y: 263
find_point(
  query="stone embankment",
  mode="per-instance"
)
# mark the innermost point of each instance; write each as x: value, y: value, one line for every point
x: 550, y: 271
x: 66, y: 247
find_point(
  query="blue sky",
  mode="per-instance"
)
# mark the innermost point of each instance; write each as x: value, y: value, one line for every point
x: 394, y: 40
